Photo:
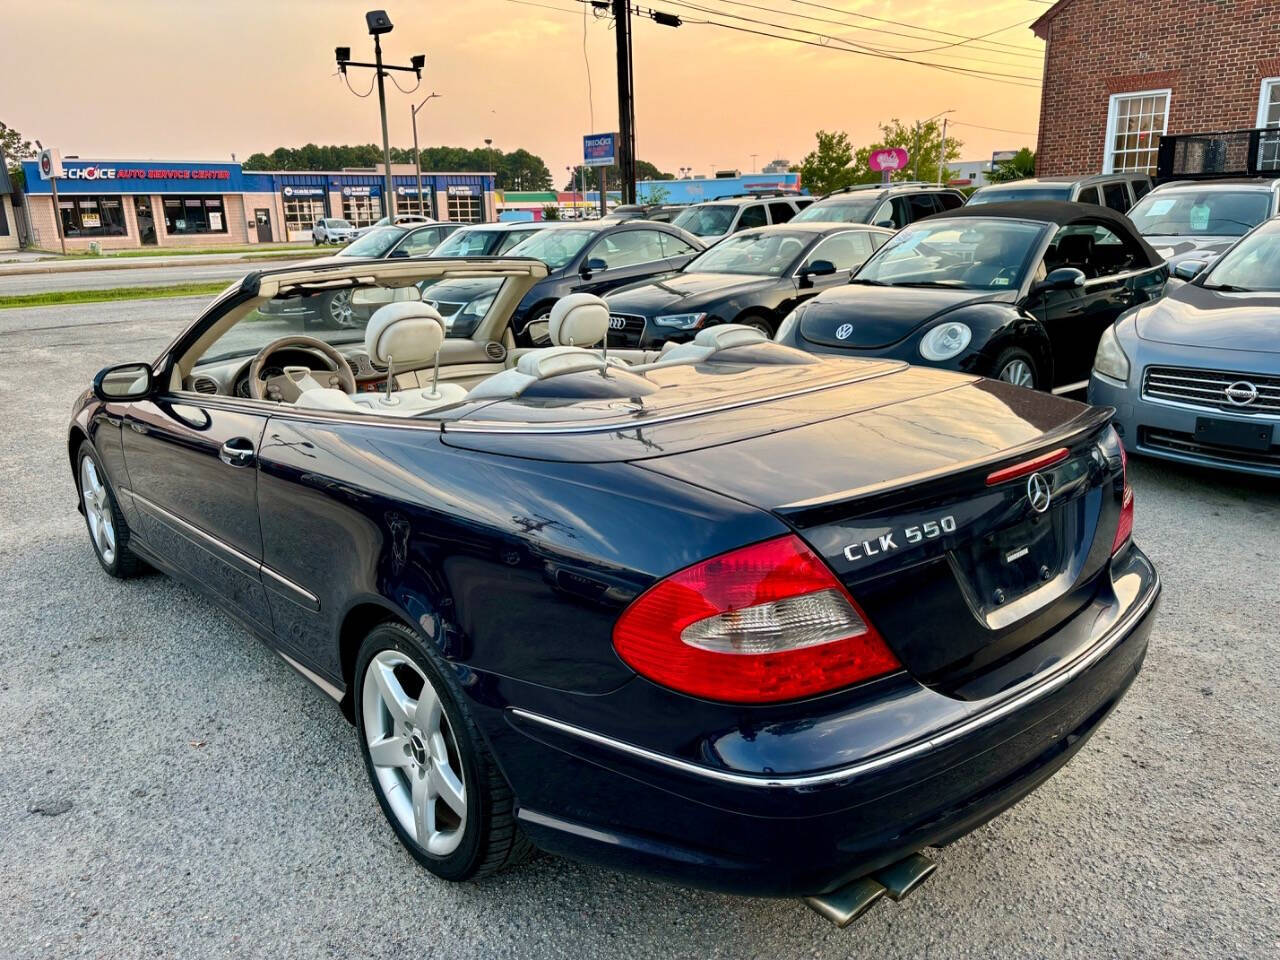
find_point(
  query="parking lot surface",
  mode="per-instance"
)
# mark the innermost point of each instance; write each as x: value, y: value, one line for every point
x: 171, y: 788
x: 134, y: 276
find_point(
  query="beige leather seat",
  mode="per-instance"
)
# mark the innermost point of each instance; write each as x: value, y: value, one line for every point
x: 578, y: 320
x: 536, y: 365
x: 399, y: 335
x: 707, y: 343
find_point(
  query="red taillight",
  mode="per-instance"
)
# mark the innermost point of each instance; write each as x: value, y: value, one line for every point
x: 760, y: 624
x: 1124, y: 530
x: 1027, y: 467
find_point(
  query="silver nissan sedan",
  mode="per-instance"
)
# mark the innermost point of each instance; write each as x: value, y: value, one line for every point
x: 1195, y: 376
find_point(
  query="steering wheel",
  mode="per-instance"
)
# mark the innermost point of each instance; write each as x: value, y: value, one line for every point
x: 289, y: 386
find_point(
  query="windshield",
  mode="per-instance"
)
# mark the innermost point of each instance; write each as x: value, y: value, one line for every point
x: 968, y: 254
x: 340, y: 224
x: 555, y: 248
x: 1253, y: 264
x: 1191, y: 212
x: 465, y: 243
x: 375, y: 243
x: 1013, y: 194
x: 768, y: 254
x: 844, y: 210
x: 709, y: 221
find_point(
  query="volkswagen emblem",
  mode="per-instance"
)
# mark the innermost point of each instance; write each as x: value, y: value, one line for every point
x: 1038, y: 492
x: 1241, y: 393
x: 844, y: 331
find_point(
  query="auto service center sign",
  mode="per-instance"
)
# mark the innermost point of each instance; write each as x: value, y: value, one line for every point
x: 888, y: 159
x: 599, y: 149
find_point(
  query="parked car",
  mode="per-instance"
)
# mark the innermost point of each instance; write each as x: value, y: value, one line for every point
x: 1017, y: 291
x: 395, y: 220
x: 1119, y: 191
x: 714, y: 220
x: 892, y: 205
x: 753, y: 278
x: 1195, y: 376
x: 332, y: 230
x: 592, y: 257
x: 1200, y: 219
x: 487, y: 239
x: 749, y: 619
x: 662, y: 212
x: 336, y: 309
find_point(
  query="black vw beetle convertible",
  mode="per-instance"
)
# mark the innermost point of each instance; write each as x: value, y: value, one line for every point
x: 1017, y: 291
x: 728, y: 614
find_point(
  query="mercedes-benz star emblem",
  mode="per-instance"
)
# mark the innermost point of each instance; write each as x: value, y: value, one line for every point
x: 1038, y: 492
x: 1241, y: 393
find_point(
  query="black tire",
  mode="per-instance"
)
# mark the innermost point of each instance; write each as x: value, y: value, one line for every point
x: 758, y: 322
x: 124, y: 563
x: 491, y: 839
x: 1008, y: 361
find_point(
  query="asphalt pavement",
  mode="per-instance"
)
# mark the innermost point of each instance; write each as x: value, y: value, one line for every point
x: 171, y: 788
x: 136, y: 276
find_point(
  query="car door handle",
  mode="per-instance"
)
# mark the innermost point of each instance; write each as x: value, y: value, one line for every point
x: 237, y: 452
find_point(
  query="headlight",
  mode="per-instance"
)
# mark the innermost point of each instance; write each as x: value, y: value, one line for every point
x: 945, y: 341
x: 478, y: 308
x: 788, y: 324
x: 1110, y: 360
x: 680, y: 321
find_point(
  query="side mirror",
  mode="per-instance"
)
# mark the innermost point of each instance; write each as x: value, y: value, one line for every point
x: 816, y: 268
x: 400, y: 253
x: 593, y: 265
x: 887, y: 224
x: 125, y: 381
x: 1064, y: 278
x: 1189, y: 269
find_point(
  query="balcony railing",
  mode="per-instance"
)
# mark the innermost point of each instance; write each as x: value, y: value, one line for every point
x: 1206, y: 156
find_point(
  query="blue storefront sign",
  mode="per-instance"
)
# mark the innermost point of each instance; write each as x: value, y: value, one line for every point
x: 127, y: 176
x: 361, y: 190
x: 599, y: 149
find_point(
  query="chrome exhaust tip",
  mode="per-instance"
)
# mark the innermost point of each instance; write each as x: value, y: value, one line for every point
x: 848, y: 903
x: 901, y: 878
x: 896, y: 881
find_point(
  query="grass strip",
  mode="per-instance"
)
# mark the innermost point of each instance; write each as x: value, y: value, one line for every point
x: 53, y: 298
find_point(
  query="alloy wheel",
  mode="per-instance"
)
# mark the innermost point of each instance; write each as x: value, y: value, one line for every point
x: 340, y: 311
x: 1018, y: 372
x: 414, y: 753
x: 97, y: 510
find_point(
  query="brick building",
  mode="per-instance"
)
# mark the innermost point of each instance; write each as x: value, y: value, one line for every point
x: 1120, y: 74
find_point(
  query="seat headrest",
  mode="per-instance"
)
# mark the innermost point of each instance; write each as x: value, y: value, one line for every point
x: 579, y: 320
x: 409, y: 332
x: 1075, y: 247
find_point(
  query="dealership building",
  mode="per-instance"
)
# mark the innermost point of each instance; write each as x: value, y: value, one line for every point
x: 124, y: 203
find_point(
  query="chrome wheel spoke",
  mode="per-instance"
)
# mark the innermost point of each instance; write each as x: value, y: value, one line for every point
x: 446, y: 784
x: 397, y: 702
x: 424, y: 808
x: 426, y: 712
x: 390, y: 751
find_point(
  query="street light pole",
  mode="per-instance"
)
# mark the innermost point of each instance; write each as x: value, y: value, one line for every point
x: 386, y: 140
x: 915, y: 154
x: 417, y: 154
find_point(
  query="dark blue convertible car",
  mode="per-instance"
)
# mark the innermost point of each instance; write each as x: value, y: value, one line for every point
x: 727, y: 614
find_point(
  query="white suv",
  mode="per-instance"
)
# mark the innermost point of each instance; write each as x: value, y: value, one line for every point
x: 332, y: 230
x: 713, y: 220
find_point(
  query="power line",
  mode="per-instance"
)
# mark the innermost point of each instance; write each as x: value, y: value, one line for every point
x: 978, y: 126
x: 850, y: 46
x: 991, y: 47
x: 909, y: 26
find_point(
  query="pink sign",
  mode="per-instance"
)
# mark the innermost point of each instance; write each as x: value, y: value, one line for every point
x: 888, y: 159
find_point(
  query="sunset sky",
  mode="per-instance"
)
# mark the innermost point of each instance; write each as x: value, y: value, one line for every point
x: 143, y: 79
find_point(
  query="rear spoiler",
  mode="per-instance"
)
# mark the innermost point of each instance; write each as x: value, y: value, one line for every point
x: 1067, y: 434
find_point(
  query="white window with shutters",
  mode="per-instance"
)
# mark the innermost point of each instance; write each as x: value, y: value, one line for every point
x: 1135, y: 124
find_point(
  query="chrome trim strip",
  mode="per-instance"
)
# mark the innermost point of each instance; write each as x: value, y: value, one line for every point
x: 299, y: 592
x: 1205, y: 408
x: 1071, y: 387
x: 537, y: 431
x: 315, y: 678
x: 194, y: 530
x: 1012, y: 702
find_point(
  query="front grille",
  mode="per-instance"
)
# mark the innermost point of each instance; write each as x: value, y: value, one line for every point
x: 1208, y: 388
x: 444, y: 307
x: 625, y: 330
x: 1175, y: 441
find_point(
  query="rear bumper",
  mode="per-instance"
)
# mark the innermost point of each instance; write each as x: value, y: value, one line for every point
x: 1168, y: 431
x: 598, y: 799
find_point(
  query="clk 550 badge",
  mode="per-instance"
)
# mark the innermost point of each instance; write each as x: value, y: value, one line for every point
x: 929, y: 530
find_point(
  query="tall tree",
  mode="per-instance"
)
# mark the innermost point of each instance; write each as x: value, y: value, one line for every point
x: 828, y: 167
x: 518, y: 167
x: 1022, y: 164
x: 14, y: 149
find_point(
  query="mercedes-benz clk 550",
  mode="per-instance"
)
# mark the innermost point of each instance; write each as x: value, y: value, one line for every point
x: 738, y: 616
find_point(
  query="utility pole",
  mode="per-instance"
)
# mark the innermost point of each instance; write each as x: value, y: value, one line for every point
x: 417, y: 154
x: 942, y: 151
x: 379, y: 23
x: 626, y: 100
x: 753, y: 162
